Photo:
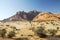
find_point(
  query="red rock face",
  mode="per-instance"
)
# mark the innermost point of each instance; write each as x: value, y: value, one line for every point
x: 45, y: 16
x: 57, y: 15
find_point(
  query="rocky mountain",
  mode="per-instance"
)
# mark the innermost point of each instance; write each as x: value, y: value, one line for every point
x: 33, y: 15
x: 22, y: 16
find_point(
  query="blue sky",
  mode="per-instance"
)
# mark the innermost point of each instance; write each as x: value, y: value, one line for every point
x: 10, y: 7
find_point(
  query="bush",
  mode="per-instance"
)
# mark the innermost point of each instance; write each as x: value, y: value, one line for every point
x: 11, y: 34
x: 52, y: 32
x: 2, y: 33
x: 21, y: 39
x: 53, y: 38
x: 41, y: 32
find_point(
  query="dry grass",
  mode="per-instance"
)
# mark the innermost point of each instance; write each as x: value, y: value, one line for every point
x: 24, y: 28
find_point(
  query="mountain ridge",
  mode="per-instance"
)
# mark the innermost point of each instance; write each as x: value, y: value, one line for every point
x: 33, y: 16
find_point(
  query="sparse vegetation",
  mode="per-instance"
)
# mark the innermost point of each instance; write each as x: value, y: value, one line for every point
x: 58, y: 28
x: 41, y: 32
x: 52, y: 32
x: 39, y: 29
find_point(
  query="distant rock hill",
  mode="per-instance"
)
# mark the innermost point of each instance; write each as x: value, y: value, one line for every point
x: 33, y: 16
x: 46, y: 16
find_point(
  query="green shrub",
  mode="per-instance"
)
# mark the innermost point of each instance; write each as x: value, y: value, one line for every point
x: 41, y: 32
x: 11, y: 34
x: 2, y: 33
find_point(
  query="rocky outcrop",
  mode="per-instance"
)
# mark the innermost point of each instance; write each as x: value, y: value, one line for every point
x: 45, y: 16
x: 21, y: 15
x: 57, y: 15
x: 32, y: 14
